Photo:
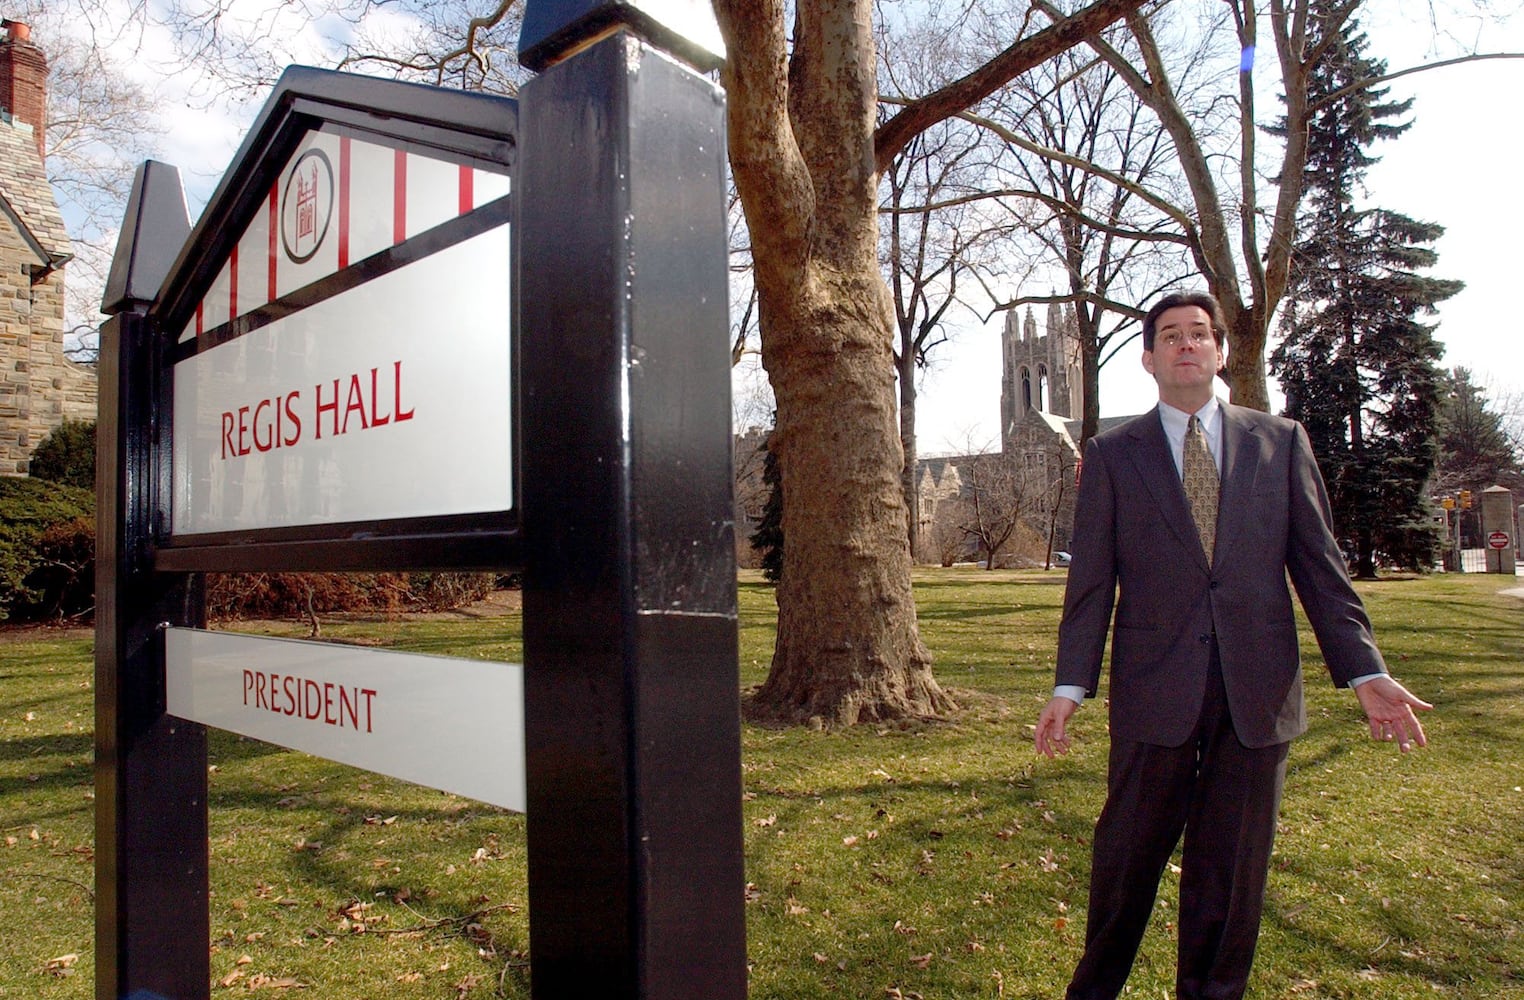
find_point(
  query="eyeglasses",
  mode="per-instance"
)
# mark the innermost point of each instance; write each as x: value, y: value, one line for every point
x: 1174, y: 338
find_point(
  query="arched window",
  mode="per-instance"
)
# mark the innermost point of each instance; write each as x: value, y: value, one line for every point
x: 1025, y: 374
x: 1042, y: 389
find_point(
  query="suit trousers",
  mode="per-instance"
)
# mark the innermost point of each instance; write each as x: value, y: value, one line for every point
x: 1225, y: 797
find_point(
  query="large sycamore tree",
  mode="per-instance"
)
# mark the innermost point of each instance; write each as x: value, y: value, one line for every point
x: 806, y: 155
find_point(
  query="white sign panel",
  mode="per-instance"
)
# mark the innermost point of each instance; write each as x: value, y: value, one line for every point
x: 390, y: 400
x: 456, y: 725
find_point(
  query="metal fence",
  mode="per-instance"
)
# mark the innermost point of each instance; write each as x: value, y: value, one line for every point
x: 1473, y: 560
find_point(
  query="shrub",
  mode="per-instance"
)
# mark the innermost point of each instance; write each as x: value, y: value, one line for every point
x: 47, y: 549
x: 67, y: 455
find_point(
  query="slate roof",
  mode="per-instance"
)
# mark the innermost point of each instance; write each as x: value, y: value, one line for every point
x: 27, y: 198
x: 1076, y: 427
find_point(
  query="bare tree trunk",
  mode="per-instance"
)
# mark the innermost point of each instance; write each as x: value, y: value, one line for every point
x: 848, y: 647
x: 802, y: 105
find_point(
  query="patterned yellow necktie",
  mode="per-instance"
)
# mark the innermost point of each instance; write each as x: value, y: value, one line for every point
x: 1201, y: 485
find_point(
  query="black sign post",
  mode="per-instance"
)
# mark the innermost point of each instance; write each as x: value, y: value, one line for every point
x: 151, y: 930
x: 636, y: 882
x: 609, y: 179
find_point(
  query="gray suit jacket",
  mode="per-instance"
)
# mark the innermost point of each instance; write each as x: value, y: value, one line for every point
x: 1136, y: 552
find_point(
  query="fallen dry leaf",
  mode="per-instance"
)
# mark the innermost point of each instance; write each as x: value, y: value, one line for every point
x: 921, y: 961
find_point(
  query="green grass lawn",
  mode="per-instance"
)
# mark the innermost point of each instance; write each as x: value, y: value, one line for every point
x: 940, y: 860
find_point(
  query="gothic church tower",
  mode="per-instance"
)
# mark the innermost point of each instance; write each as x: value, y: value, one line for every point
x: 1040, y: 372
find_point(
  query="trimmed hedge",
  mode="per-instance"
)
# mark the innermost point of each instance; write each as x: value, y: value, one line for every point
x: 234, y: 596
x: 47, y: 570
x: 47, y: 549
x: 67, y: 455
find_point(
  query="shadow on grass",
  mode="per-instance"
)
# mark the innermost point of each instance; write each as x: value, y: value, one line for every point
x: 29, y: 747
x: 337, y: 820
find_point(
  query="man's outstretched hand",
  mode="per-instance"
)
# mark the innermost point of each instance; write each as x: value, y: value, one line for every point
x: 1389, y: 707
x: 1051, y: 736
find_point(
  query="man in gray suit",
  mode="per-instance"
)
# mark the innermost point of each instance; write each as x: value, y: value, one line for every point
x: 1188, y: 521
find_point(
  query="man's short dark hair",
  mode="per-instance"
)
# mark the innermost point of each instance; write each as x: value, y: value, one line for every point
x: 1174, y: 299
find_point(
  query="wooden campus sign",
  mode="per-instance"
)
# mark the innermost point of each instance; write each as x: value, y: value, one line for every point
x: 418, y: 329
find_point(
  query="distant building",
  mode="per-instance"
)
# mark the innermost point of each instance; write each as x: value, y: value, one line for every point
x: 1042, y: 406
x: 1041, y: 371
x: 39, y: 386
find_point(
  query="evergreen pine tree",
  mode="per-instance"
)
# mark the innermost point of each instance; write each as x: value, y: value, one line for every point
x: 1476, y: 450
x: 1359, y: 369
x: 768, y: 536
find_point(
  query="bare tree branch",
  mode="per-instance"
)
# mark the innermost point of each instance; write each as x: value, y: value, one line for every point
x: 1376, y: 81
x: 1021, y: 56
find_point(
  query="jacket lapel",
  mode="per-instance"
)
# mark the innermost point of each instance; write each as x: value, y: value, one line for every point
x: 1240, y: 461
x: 1156, y: 467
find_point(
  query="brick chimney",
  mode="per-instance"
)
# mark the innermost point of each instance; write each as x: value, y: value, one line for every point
x: 24, y: 81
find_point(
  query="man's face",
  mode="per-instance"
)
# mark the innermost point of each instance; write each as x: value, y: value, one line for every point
x: 1185, y: 358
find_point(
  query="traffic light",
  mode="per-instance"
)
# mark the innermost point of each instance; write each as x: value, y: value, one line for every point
x: 1448, y: 503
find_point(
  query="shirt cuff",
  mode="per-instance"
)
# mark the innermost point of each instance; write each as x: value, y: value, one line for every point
x: 1076, y: 693
x: 1356, y: 682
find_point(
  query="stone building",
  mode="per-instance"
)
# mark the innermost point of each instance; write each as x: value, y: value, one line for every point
x: 39, y: 385
x: 1042, y: 406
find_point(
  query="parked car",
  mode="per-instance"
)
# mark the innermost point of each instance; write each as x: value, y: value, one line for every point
x: 1060, y: 558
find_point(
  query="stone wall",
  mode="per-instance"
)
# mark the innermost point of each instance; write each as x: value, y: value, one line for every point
x: 39, y: 386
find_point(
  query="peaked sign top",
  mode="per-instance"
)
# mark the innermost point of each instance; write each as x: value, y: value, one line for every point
x: 467, y: 128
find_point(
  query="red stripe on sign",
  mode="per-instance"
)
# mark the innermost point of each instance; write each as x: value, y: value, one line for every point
x: 343, y: 202
x: 233, y: 285
x: 399, y: 197
x: 467, y: 195
x: 274, y: 233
